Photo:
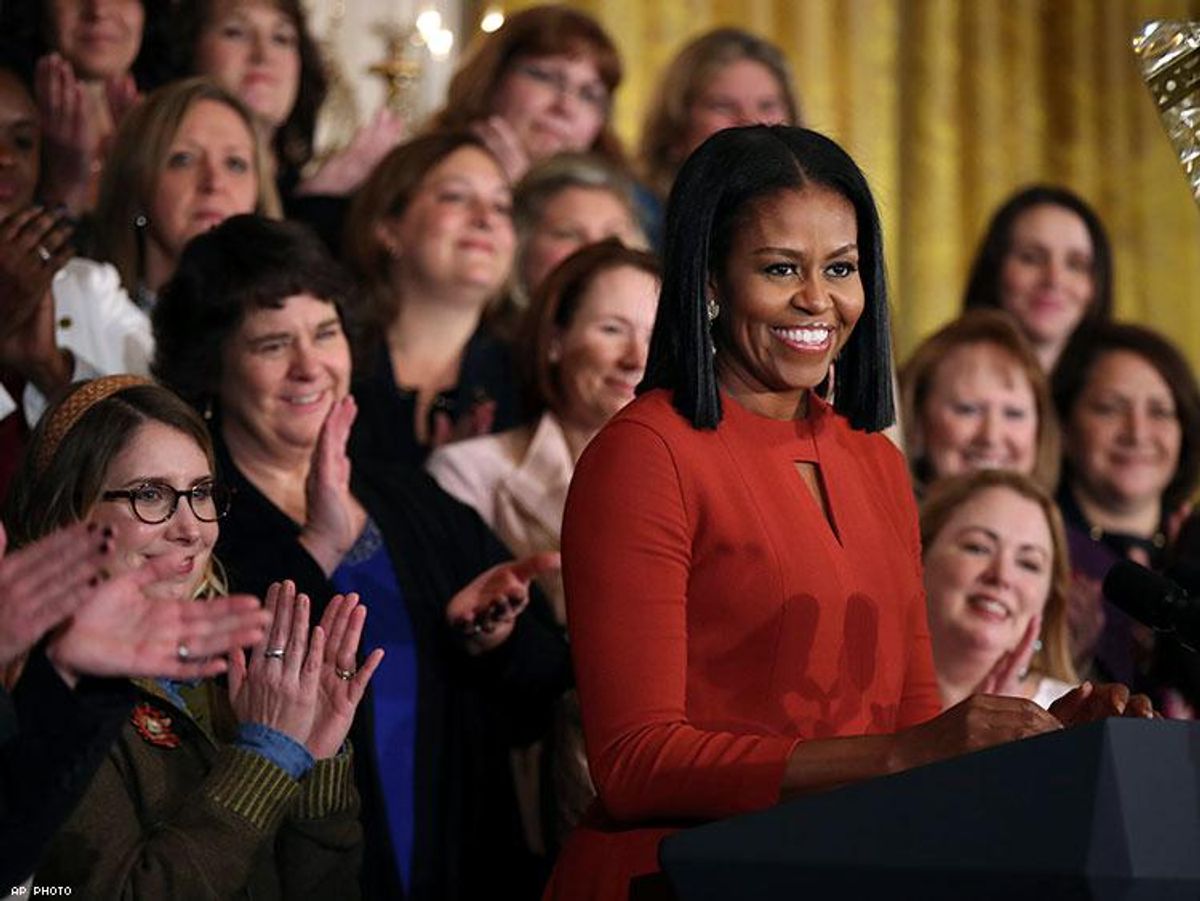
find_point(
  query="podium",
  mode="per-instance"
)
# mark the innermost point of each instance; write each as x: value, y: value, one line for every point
x: 1110, y: 811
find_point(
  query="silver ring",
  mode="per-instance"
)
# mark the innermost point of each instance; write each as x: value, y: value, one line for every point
x: 344, y: 674
x: 43, y: 253
x: 273, y: 653
x: 182, y: 652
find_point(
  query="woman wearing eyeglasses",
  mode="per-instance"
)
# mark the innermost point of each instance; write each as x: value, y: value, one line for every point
x: 214, y: 790
x: 541, y: 84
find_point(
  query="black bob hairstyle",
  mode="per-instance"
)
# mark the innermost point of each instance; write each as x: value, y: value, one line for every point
x: 712, y: 192
x: 245, y: 263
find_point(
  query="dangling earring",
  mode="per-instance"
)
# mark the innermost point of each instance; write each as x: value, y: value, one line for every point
x: 830, y: 379
x: 712, y: 309
x: 140, y: 221
x: 208, y: 410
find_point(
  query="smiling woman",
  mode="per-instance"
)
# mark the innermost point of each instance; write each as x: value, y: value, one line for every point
x: 541, y: 84
x: 718, y: 668
x: 245, y: 787
x: 1046, y: 259
x: 997, y: 575
x: 250, y: 328
x: 974, y: 396
x: 431, y: 235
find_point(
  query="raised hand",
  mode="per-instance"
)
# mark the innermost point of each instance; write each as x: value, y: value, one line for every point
x: 345, y: 170
x: 334, y: 518
x: 1010, y: 670
x: 73, y: 126
x: 34, y: 245
x: 44, y: 583
x: 477, y: 421
x: 486, y: 610
x: 971, y: 725
x: 505, y: 146
x: 342, y: 682
x: 278, y: 688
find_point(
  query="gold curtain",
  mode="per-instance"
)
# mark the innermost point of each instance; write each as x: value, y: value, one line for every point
x: 950, y: 105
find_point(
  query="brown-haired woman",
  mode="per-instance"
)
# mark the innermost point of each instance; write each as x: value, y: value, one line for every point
x: 541, y: 84
x: 997, y: 578
x: 1046, y: 259
x: 430, y: 236
x: 584, y: 351
x: 245, y: 790
x: 722, y: 78
x: 1129, y: 406
x: 973, y: 396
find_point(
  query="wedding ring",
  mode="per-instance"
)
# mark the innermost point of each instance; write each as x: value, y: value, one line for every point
x: 273, y: 653
x: 344, y: 674
x: 43, y: 253
x: 182, y: 652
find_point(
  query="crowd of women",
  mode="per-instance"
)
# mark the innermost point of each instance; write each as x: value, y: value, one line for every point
x: 290, y: 448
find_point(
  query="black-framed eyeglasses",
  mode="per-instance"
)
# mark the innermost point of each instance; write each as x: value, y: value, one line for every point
x: 154, y: 502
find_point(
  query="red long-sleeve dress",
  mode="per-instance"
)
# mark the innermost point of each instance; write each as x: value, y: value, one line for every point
x: 717, y: 617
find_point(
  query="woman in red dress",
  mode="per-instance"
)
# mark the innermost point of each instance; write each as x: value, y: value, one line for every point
x: 741, y: 555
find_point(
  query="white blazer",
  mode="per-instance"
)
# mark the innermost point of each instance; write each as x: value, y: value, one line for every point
x: 94, y: 318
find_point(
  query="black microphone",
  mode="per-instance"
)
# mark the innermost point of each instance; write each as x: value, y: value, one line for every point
x: 1155, y: 600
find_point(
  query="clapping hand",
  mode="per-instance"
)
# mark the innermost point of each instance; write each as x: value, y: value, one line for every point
x: 278, y: 687
x: 478, y: 420
x: 108, y: 626
x: 334, y: 519
x: 345, y: 170
x: 486, y: 610
x: 504, y: 143
x: 76, y: 123
x: 1013, y: 666
x: 342, y: 683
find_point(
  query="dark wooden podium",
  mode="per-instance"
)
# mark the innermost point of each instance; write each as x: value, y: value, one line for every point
x: 1105, y: 811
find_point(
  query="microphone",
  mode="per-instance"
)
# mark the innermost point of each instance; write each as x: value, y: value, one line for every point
x: 1155, y: 600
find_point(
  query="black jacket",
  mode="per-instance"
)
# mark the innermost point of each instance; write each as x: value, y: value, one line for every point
x: 52, y: 741
x: 471, y: 710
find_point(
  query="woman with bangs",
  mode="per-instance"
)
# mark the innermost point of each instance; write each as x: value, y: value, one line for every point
x: 974, y: 396
x: 541, y: 84
x: 237, y: 790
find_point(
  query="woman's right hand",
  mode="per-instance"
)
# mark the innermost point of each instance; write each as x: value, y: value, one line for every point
x: 502, y: 140
x: 279, y: 687
x: 1011, y: 669
x: 334, y: 519
x: 979, y: 722
x: 71, y: 129
x: 34, y: 245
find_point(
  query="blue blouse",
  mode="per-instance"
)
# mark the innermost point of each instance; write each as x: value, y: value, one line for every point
x: 367, y: 569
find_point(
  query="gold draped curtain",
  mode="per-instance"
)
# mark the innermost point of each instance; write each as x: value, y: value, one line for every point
x: 950, y: 105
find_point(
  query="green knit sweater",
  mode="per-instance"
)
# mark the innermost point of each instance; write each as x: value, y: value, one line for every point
x: 175, y: 813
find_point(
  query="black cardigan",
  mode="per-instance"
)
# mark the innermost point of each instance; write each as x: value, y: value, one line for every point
x: 470, y: 710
